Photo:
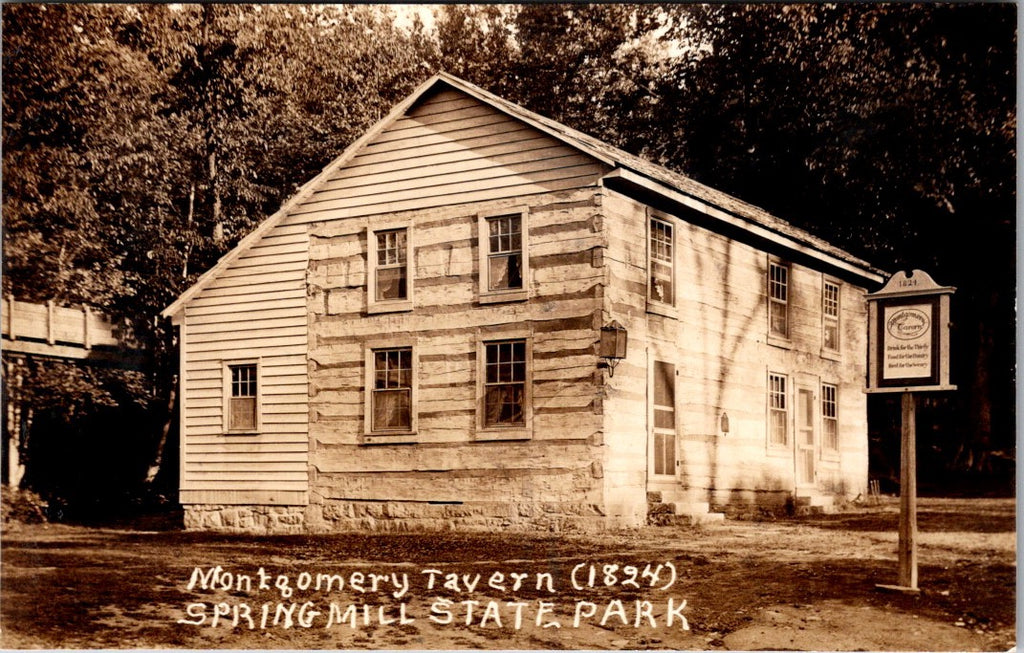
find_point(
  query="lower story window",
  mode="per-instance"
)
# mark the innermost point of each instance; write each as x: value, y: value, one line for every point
x: 505, y: 383
x: 391, y: 404
x: 778, y: 410
x: 242, y: 411
x: 830, y: 416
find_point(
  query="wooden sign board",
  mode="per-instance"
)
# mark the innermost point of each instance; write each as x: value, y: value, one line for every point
x: 908, y: 340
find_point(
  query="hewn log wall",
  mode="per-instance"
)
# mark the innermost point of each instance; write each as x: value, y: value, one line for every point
x: 555, y: 476
x: 437, y: 169
x: 716, y: 337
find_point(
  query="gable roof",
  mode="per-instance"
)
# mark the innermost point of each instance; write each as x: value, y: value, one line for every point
x: 630, y: 172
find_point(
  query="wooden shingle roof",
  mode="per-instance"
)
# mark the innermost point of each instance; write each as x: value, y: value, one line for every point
x: 675, y: 181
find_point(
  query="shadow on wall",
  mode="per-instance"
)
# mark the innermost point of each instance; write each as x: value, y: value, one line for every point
x: 717, y: 380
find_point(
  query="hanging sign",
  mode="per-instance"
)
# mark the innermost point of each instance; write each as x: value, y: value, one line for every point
x: 908, y: 341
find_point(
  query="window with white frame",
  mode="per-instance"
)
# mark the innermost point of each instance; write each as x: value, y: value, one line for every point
x: 778, y: 410
x: 830, y: 416
x: 242, y: 409
x: 505, y: 379
x: 661, y: 262
x: 830, y: 316
x: 389, y: 277
x: 505, y: 252
x: 778, y: 299
x: 504, y: 256
x: 392, y: 272
x: 391, y: 393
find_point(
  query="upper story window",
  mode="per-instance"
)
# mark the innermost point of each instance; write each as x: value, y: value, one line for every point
x: 778, y: 299
x: 242, y: 397
x: 661, y: 263
x: 504, y: 257
x: 389, y: 282
x: 392, y: 265
x: 391, y: 401
x: 778, y: 410
x: 830, y: 416
x: 505, y: 253
x: 830, y: 316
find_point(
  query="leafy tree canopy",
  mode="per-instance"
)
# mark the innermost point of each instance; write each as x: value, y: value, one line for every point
x: 141, y: 141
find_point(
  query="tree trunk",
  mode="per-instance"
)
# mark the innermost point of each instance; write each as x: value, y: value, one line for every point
x: 154, y: 468
x: 14, y: 469
x: 188, y: 230
x: 980, y: 406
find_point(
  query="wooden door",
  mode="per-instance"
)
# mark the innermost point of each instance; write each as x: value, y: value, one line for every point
x: 663, y: 433
x: 806, y: 438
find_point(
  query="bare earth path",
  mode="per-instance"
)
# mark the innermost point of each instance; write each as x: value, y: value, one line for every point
x: 802, y: 584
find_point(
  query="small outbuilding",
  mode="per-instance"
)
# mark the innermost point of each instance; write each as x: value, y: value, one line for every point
x: 477, y: 317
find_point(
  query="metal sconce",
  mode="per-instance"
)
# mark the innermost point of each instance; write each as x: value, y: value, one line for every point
x: 724, y: 423
x: 612, y: 346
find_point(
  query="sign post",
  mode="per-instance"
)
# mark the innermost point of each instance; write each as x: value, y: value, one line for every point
x: 908, y: 352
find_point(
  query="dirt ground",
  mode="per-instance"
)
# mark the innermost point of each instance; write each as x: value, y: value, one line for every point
x: 799, y: 584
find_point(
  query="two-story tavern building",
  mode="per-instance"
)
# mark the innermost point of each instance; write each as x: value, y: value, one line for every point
x: 414, y: 340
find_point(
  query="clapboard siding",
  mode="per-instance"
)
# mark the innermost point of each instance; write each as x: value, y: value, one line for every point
x: 450, y: 152
x: 255, y: 309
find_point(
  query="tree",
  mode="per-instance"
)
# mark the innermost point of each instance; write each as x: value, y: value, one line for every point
x: 890, y: 127
x: 882, y: 128
x: 141, y: 142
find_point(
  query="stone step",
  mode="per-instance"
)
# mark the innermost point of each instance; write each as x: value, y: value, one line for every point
x: 691, y: 507
x: 815, y: 499
x: 814, y: 504
x: 683, y: 496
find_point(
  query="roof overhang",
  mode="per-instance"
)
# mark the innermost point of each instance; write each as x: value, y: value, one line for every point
x: 175, y: 310
x: 659, y: 195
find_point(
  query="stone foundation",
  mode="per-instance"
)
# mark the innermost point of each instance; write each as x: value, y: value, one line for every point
x: 395, y: 516
x: 248, y: 519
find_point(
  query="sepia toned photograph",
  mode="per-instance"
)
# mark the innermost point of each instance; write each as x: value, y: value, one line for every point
x: 509, y: 326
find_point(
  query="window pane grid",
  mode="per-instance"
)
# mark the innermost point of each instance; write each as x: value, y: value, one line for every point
x: 392, y: 271
x: 505, y: 259
x: 391, y: 247
x: 778, y: 409
x: 242, y: 405
x: 243, y: 380
x: 778, y: 296
x: 505, y: 383
x: 392, y: 389
x: 831, y: 300
x: 830, y: 313
x: 505, y: 234
x: 661, y: 262
x: 830, y: 415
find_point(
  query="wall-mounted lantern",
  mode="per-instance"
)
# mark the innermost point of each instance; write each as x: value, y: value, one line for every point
x: 612, y: 347
x: 724, y: 423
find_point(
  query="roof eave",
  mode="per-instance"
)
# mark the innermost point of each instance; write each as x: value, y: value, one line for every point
x: 847, y: 263
x: 175, y: 309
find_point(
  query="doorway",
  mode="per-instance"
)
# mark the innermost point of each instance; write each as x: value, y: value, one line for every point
x: 806, y: 438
